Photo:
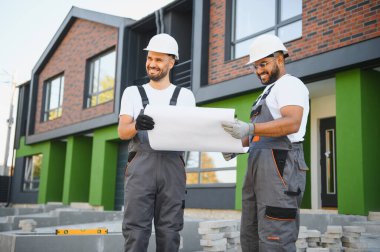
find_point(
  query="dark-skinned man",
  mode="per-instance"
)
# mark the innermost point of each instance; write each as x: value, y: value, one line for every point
x: 275, y: 178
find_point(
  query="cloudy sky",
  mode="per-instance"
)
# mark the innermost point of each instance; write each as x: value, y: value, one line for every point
x: 27, y: 26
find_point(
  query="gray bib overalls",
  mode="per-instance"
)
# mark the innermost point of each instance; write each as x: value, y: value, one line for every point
x: 155, y: 184
x: 272, y: 190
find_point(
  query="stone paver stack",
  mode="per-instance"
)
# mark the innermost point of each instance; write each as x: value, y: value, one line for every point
x: 220, y: 235
x: 313, y: 238
x: 351, y: 238
x: 301, y: 243
x: 332, y: 238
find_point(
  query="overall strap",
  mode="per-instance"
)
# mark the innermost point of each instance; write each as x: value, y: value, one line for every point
x: 262, y: 96
x: 173, y: 100
x: 144, y: 97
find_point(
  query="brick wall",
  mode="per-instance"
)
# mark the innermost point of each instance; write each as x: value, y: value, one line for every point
x: 327, y: 25
x: 84, y: 40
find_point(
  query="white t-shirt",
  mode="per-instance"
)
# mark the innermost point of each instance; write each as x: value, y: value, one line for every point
x: 289, y: 90
x: 131, y: 103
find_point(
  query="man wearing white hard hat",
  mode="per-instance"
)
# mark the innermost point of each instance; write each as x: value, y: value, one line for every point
x: 155, y: 181
x: 275, y: 179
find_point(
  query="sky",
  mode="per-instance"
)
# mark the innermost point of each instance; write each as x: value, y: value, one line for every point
x: 27, y: 27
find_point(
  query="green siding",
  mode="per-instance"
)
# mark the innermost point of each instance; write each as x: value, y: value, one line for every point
x: 77, y: 169
x: 306, y: 201
x: 53, y: 164
x: 357, y: 141
x: 103, y: 167
x: 371, y: 137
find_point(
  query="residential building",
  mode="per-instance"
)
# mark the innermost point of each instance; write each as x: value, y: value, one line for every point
x: 67, y: 144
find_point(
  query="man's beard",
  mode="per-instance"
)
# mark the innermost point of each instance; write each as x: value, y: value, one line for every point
x: 273, y: 77
x: 159, y: 76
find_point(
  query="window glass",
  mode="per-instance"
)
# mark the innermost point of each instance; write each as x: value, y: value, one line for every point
x: 253, y: 16
x: 32, y: 172
x: 290, y: 32
x: 209, y: 168
x: 215, y: 160
x: 53, y: 98
x: 214, y: 177
x: 102, y: 79
x: 290, y: 8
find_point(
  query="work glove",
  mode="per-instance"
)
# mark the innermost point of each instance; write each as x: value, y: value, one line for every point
x: 238, y: 129
x: 144, y: 122
x: 228, y: 155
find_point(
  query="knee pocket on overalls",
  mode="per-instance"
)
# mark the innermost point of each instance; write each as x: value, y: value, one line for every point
x: 279, y: 225
x: 131, y: 159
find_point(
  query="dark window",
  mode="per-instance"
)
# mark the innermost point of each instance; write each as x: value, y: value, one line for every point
x: 209, y: 168
x: 101, y: 79
x: 32, y: 171
x: 251, y: 18
x: 53, y: 98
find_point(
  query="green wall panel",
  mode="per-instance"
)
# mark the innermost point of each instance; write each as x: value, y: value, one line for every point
x: 371, y: 137
x: 77, y: 169
x: 53, y: 164
x: 306, y: 201
x: 349, y: 140
x: 103, y: 167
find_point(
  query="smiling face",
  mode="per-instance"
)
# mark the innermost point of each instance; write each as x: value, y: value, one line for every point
x: 269, y: 69
x: 158, y: 65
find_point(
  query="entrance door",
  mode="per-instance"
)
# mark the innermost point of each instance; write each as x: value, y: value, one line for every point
x: 121, y: 163
x: 329, y: 191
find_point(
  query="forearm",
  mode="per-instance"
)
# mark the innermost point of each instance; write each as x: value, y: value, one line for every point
x: 276, y: 128
x: 127, y: 131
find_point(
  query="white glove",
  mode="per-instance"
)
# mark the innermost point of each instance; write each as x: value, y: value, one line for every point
x: 228, y: 155
x: 238, y: 129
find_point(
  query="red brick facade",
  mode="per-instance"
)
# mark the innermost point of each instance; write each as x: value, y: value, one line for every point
x: 84, y: 40
x: 326, y: 25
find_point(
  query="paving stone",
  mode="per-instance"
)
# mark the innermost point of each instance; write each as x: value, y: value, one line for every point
x: 317, y: 250
x: 326, y: 239
x: 302, y: 235
x: 217, y: 236
x: 302, y: 229
x: 203, y: 231
x: 301, y: 250
x: 350, y: 239
x: 27, y: 225
x: 232, y: 234
x: 354, y: 229
x: 355, y: 250
x: 351, y: 234
x: 218, y: 224
x: 213, y: 243
x: 334, y: 229
x: 357, y: 245
x: 313, y: 233
x: 235, y: 240
x: 313, y: 244
x: 333, y: 235
x: 301, y: 244
x: 218, y: 248
x: 374, y: 216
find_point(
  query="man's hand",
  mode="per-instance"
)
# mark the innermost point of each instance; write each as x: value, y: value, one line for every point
x: 238, y: 129
x: 228, y: 155
x: 144, y: 122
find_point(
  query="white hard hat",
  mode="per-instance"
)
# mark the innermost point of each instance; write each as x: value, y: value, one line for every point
x: 163, y: 43
x: 265, y: 45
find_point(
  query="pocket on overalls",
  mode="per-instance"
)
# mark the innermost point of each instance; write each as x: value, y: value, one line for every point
x: 131, y: 159
x: 278, y: 226
x: 279, y: 158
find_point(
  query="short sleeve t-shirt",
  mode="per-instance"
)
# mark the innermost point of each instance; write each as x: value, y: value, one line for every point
x: 131, y: 103
x: 289, y: 90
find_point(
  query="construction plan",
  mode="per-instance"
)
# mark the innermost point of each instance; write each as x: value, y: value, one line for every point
x: 191, y: 129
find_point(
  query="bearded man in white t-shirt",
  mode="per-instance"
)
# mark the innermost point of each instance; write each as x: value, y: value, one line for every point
x: 155, y: 181
x: 275, y: 179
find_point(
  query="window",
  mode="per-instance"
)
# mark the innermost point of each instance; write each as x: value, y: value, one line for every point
x: 32, y: 173
x: 251, y: 18
x: 205, y: 168
x: 53, y: 90
x: 101, y: 79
